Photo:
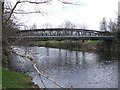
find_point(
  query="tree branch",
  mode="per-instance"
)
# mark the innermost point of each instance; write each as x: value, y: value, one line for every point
x: 36, y: 2
x: 24, y: 2
x: 12, y: 11
x: 46, y: 76
x: 42, y: 13
x: 29, y: 58
x: 42, y: 2
x: 66, y: 2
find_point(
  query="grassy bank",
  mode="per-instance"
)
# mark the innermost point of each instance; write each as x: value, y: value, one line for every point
x: 12, y: 79
x: 0, y: 76
x: 80, y: 45
x: 87, y: 45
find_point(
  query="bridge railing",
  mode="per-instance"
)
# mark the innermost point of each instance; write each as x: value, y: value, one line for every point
x: 62, y: 32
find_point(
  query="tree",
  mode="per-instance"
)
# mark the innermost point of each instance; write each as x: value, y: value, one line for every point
x: 118, y: 28
x: 67, y: 24
x: 82, y: 26
x: 47, y: 25
x: 103, y: 25
x: 118, y: 22
x: 34, y: 26
x: 14, y: 11
x: 112, y: 26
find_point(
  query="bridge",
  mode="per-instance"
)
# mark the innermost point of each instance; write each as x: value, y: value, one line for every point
x: 62, y: 34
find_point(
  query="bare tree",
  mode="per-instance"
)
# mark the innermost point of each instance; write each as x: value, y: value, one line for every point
x: 118, y: 22
x: 34, y: 26
x: 67, y: 24
x: 103, y: 25
x: 83, y: 26
x: 13, y: 10
x: 47, y: 25
x: 112, y: 26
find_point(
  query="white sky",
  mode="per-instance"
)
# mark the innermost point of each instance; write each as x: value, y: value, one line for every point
x: 90, y: 12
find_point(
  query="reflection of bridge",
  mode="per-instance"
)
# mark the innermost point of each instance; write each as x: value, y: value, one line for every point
x: 62, y: 34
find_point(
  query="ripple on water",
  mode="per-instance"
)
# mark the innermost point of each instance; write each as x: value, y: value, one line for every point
x: 81, y: 70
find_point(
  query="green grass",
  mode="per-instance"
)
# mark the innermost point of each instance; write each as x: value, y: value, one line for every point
x: 12, y: 79
x: 0, y: 77
x: 70, y: 44
x: 58, y: 44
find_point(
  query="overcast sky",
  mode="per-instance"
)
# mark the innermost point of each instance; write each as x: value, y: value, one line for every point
x: 89, y: 12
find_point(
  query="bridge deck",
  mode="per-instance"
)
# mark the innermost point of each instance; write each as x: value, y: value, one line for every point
x: 65, y: 37
x: 62, y: 34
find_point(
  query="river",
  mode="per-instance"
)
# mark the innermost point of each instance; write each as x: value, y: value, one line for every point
x: 77, y: 69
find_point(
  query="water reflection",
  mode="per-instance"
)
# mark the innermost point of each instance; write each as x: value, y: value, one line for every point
x: 108, y: 57
x: 78, y: 69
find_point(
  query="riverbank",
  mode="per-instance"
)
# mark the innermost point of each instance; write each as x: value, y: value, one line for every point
x: 13, y: 79
x: 77, y: 45
x: 64, y: 44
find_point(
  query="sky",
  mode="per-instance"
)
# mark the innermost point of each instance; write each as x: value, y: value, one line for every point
x: 88, y: 12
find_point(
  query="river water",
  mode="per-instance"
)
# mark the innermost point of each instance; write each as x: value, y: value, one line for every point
x: 77, y: 69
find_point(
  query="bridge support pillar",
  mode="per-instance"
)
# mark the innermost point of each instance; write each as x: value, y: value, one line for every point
x: 107, y: 44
